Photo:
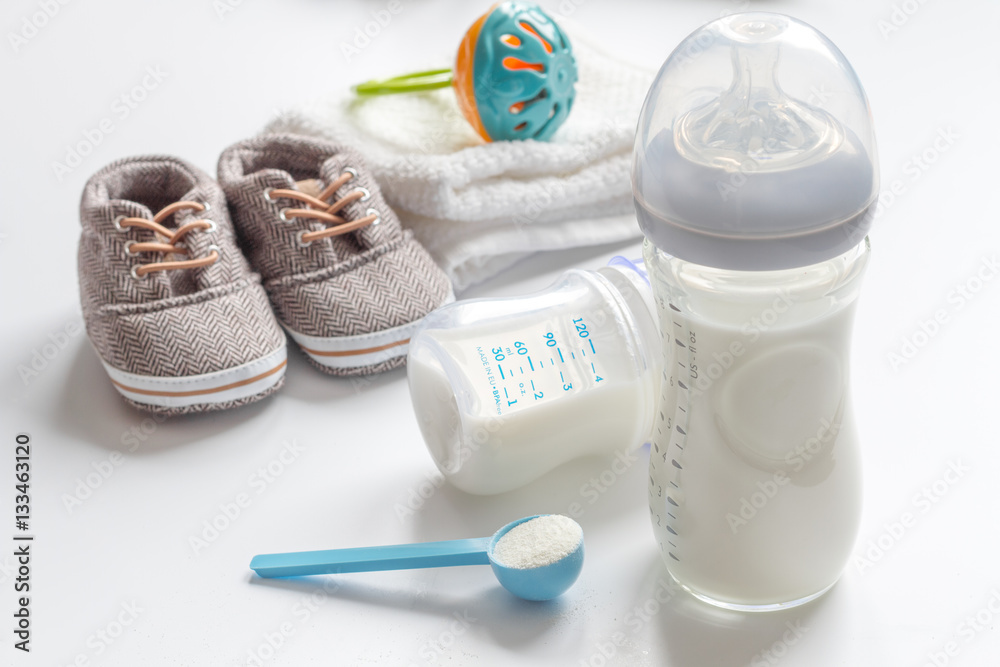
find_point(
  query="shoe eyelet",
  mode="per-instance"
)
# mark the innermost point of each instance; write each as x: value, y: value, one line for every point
x: 216, y: 249
x: 134, y: 272
x: 367, y: 195
x: 283, y: 217
x: 214, y: 227
x: 208, y: 207
x: 352, y: 171
x: 118, y: 223
x: 128, y: 249
x: 302, y: 244
x: 378, y: 216
x: 267, y: 194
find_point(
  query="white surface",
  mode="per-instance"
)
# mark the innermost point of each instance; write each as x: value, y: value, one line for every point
x: 358, y: 460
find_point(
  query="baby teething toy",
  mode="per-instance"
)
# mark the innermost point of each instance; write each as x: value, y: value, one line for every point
x: 514, y: 75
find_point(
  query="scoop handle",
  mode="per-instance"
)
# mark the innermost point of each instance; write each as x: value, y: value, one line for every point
x: 371, y: 559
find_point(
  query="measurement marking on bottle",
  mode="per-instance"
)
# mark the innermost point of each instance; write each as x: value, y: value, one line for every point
x: 533, y: 385
x: 672, y: 306
x: 573, y: 354
x: 561, y: 378
x: 676, y: 487
x: 592, y: 346
x: 500, y: 368
x: 505, y: 393
x: 541, y: 364
x: 592, y: 367
x: 682, y: 385
x: 552, y: 361
x: 677, y: 340
x: 583, y: 352
x: 671, y: 516
x: 680, y: 430
x: 561, y: 358
x: 521, y: 368
x: 531, y: 365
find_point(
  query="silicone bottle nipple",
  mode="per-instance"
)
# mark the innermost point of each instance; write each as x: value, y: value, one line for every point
x: 754, y: 125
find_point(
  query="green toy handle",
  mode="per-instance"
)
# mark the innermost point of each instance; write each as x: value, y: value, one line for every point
x: 406, y: 83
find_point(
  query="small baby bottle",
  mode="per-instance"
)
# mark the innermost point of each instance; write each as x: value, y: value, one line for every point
x: 507, y: 389
x: 755, y: 177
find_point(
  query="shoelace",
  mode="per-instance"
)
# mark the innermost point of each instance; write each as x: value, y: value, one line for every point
x: 320, y: 210
x: 172, y: 244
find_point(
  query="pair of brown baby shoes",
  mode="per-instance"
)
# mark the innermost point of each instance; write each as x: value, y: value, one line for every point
x: 186, y: 282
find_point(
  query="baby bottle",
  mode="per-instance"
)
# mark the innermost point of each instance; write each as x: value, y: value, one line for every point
x: 507, y: 389
x: 755, y: 178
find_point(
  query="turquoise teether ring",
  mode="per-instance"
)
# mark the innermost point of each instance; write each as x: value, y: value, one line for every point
x: 523, y: 73
x: 514, y: 75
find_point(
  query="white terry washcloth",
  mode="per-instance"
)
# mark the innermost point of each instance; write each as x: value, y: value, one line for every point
x: 476, y: 206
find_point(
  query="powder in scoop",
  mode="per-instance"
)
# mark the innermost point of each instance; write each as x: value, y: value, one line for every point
x: 538, y: 542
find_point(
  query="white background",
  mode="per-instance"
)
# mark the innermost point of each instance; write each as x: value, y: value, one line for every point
x: 362, y: 457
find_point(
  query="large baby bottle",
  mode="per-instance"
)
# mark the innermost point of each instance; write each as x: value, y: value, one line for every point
x: 505, y: 390
x: 755, y: 175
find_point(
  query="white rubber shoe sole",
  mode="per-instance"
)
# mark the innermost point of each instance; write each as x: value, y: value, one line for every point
x: 232, y: 384
x: 345, y: 353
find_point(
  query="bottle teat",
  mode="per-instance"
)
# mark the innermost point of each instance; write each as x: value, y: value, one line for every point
x: 755, y: 148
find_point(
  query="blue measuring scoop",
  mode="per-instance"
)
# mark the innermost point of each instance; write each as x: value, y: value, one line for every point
x: 539, y: 583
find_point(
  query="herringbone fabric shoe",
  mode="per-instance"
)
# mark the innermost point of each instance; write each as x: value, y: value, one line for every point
x: 346, y: 281
x: 179, y: 320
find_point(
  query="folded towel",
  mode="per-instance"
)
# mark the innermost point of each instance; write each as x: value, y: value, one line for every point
x: 478, y: 207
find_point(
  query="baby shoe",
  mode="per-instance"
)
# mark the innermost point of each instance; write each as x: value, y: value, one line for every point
x: 179, y: 320
x: 346, y: 281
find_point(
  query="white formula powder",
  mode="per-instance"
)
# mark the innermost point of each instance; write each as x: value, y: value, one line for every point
x: 538, y: 542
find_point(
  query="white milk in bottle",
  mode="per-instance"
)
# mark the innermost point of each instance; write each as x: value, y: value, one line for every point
x: 755, y: 197
x: 505, y: 390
